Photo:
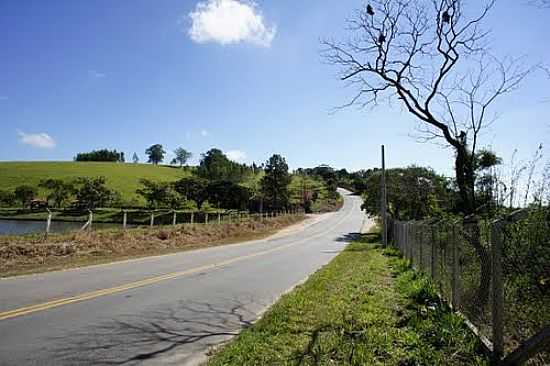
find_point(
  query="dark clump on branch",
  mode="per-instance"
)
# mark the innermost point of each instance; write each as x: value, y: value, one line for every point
x: 370, y: 10
x: 445, y: 17
x: 382, y: 38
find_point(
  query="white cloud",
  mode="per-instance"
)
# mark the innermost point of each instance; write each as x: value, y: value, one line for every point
x: 229, y: 21
x: 40, y: 140
x: 204, y: 133
x: 236, y: 155
x: 96, y: 74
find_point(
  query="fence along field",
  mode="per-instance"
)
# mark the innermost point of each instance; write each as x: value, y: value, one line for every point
x: 502, y: 288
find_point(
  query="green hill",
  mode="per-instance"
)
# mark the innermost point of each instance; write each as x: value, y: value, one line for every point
x: 123, y: 178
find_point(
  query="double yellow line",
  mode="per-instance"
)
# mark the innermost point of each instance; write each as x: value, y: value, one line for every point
x: 149, y: 281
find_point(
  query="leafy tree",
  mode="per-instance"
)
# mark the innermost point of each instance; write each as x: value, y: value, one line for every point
x: 135, y: 158
x: 275, y: 182
x: 7, y: 198
x: 93, y: 192
x: 60, y: 190
x: 215, y: 165
x: 101, y: 155
x: 192, y: 188
x: 155, y: 153
x: 228, y: 195
x: 182, y: 156
x: 25, y: 194
x: 159, y: 194
x: 413, y: 193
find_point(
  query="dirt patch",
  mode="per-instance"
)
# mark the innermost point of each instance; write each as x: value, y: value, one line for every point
x: 31, y: 254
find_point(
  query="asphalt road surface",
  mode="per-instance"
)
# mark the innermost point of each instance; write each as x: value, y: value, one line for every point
x: 165, y: 310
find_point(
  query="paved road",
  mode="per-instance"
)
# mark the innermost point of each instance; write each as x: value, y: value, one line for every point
x: 160, y: 310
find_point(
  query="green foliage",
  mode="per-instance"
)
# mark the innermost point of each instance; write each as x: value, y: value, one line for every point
x: 305, y: 190
x: 7, y: 198
x: 59, y: 190
x: 93, y: 192
x: 275, y: 183
x: 228, y: 195
x: 413, y: 193
x: 101, y: 155
x: 25, y: 194
x: 155, y: 153
x: 192, y: 188
x: 216, y: 166
x: 159, y: 194
x: 182, y: 156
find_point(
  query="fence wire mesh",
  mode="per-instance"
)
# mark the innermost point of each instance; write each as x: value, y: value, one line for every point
x: 459, y: 257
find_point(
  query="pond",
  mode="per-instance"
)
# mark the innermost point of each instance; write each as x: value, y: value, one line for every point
x: 20, y: 227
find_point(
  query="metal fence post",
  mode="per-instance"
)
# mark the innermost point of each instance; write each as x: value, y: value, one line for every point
x: 498, y: 296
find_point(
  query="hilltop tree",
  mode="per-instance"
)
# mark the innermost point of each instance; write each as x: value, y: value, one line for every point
x: 101, y: 155
x: 155, y: 153
x: 182, y: 156
x: 215, y: 165
x: 60, y: 191
x: 275, y: 182
x: 135, y: 158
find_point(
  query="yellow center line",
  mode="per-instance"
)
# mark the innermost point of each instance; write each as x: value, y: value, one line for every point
x: 149, y: 281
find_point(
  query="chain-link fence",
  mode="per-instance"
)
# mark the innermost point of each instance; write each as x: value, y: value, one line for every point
x: 496, y: 274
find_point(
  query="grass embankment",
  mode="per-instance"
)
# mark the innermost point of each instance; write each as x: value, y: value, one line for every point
x: 34, y: 253
x: 364, y: 308
x: 123, y: 178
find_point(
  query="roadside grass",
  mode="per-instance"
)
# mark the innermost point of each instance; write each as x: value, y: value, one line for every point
x: 123, y: 178
x: 366, y: 307
x: 33, y: 253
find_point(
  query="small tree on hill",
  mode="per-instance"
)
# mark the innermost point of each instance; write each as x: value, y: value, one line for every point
x: 135, y: 158
x: 182, y: 156
x: 155, y: 153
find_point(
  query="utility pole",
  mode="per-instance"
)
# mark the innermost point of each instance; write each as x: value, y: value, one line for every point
x: 384, y: 202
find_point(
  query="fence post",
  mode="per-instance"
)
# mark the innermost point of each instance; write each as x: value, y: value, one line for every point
x: 421, y: 248
x: 152, y: 221
x: 174, y: 218
x: 48, y: 222
x: 124, y: 218
x: 90, y: 219
x: 455, y: 282
x: 192, y: 217
x: 219, y: 217
x: 498, y: 296
x: 206, y: 218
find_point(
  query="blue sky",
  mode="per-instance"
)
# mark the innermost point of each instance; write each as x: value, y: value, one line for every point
x: 81, y: 75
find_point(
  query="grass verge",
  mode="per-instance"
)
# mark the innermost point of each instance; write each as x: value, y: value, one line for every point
x: 33, y: 253
x: 366, y: 307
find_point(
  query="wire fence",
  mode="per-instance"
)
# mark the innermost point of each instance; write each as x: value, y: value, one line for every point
x: 496, y: 274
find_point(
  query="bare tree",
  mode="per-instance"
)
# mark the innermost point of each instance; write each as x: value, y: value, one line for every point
x: 432, y: 56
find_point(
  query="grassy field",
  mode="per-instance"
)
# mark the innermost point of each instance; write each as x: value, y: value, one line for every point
x: 364, y: 308
x: 123, y: 178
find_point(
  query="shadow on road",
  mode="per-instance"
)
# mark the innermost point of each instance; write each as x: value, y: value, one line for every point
x: 191, y: 327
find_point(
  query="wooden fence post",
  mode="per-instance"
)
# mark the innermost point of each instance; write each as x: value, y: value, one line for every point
x: 219, y: 218
x: 174, y: 218
x: 90, y: 219
x: 152, y: 222
x: 206, y: 218
x: 124, y: 219
x: 48, y: 222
